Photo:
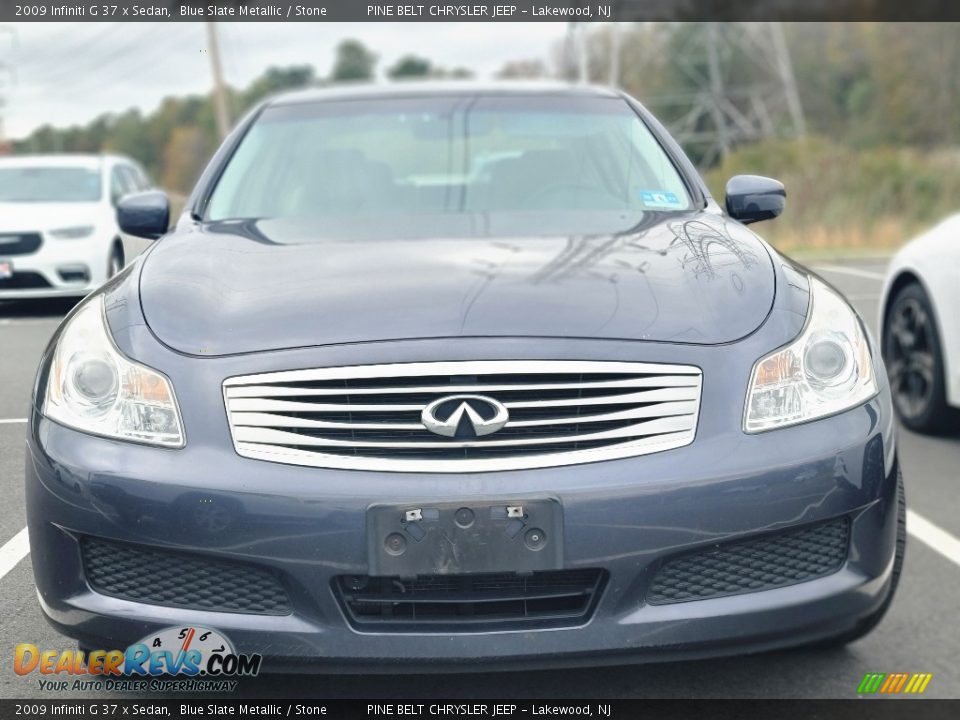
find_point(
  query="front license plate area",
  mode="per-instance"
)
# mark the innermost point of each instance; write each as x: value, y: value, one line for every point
x: 6, y: 269
x: 469, y: 537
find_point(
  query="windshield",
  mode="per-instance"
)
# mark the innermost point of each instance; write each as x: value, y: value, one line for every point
x: 49, y: 184
x: 530, y: 165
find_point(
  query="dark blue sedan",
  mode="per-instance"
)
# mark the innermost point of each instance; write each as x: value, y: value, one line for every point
x: 439, y: 375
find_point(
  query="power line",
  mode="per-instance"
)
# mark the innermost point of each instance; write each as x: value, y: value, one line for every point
x: 58, y: 54
x: 124, y: 62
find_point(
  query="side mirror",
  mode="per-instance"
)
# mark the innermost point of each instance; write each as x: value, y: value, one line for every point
x: 145, y: 214
x: 752, y: 198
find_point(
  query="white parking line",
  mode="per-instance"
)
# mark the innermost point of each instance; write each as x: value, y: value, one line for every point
x: 12, y: 421
x: 29, y: 321
x: 934, y: 537
x: 15, y: 550
x: 856, y: 272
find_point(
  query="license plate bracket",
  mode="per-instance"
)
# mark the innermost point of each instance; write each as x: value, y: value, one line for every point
x: 465, y: 537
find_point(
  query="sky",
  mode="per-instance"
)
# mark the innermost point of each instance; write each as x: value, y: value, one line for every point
x: 69, y: 73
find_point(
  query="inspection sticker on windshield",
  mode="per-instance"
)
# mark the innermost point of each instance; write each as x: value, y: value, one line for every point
x: 660, y: 199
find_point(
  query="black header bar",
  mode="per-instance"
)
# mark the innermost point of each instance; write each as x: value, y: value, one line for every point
x: 474, y: 10
x: 197, y: 707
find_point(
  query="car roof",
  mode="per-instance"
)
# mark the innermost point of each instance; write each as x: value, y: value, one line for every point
x: 351, y: 91
x: 78, y: 160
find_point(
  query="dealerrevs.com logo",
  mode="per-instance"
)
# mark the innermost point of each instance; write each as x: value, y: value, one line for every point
x: 180, y: 659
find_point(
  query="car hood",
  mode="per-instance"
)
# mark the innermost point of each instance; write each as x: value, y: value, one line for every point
x: 227, y: 288
x: 40, y: 216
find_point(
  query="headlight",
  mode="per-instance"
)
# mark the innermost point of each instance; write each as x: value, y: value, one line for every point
x: 92, y: 387
x: 72, y: 233
x: 824, y: 371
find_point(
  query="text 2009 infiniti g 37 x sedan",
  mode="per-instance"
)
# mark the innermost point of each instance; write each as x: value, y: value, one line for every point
x: 443, y: 374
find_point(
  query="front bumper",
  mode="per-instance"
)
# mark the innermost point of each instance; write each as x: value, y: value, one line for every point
x: 623, y: 516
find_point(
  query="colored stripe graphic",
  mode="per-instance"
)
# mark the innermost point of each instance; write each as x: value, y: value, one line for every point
x: 890, y: 682
x: 870, y: 683
x: 901, y: 681
x: 894, y: 683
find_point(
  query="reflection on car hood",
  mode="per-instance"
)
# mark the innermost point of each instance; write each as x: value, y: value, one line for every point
x: 246, y: 287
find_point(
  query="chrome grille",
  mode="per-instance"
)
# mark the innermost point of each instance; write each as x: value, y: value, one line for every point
x: 368, y: 417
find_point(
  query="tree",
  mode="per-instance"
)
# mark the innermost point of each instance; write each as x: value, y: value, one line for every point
x: 353, y: 62
x: 458, y: 73
x: 126, y: 137
x: 410, y: 66
x: 277, y: 80
x: 530, y: 69
x: 184, y: 157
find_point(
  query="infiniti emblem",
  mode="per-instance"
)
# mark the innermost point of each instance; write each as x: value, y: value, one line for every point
x: 464, y: 416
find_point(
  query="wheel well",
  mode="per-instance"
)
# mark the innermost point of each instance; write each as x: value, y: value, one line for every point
x: 902, y: 280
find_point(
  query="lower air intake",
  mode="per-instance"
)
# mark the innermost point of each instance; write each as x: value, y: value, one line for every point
x: 174, y: 579
x: 468, y: 603
x: 761, y: 563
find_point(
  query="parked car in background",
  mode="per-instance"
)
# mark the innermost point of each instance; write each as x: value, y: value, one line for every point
x: 920, y: 326
x: 58, y: 226
x: 437, y: 375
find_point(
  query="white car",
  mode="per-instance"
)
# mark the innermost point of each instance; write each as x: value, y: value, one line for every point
x: 58, y: 226
x: 920, y: 327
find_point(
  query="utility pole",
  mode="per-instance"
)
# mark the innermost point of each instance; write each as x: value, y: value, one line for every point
x: 221, y: 109
x: 787, y: 78
x: 739, y: 88
x: 615, y: 40
x: 576, y: 44
x: 7, y: 78
x: 716, y: 89
x: 583, y: 64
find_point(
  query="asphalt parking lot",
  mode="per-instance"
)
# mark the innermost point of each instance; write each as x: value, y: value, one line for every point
x: 920, y: 633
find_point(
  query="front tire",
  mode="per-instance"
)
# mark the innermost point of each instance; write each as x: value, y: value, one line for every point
x: 914, y: 360
x: 116, y: 261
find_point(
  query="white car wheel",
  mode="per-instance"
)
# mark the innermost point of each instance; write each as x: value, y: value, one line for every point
x: 914, y: 359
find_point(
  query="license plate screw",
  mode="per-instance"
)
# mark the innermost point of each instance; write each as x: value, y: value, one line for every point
x: 514, y: 511
x: 413, y: 515
x: 356, y: 582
